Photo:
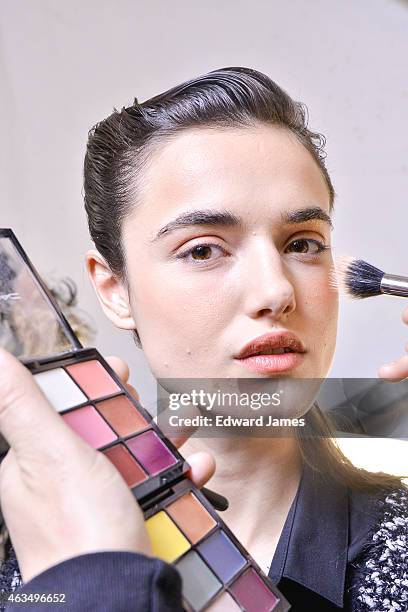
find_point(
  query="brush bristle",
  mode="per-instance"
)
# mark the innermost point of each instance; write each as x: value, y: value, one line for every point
x: 356, y: 278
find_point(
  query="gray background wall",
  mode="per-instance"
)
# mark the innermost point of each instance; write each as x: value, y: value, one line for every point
x: 65, y: 65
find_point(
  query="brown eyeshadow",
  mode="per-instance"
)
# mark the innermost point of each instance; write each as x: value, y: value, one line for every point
x: 191, y: 516
x: 130, y: 470
x: 123, y: 417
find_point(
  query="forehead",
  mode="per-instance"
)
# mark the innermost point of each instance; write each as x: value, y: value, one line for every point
x: 262, y: 169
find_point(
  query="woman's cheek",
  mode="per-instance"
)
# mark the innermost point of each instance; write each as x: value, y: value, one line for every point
x: 316, y: 294
x: 175, y: 322
x: 317, y: 309
x: 327, y: 312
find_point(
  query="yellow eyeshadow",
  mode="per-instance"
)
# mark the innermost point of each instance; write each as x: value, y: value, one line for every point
x: 168, y: 543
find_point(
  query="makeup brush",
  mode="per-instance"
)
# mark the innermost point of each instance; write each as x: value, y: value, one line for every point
x: 359, y: 279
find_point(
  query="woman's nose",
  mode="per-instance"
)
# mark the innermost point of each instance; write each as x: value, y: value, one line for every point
x: 267, y: 290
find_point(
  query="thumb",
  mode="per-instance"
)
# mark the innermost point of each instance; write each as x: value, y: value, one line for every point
x: 202, y: 467
x: 27, y: 420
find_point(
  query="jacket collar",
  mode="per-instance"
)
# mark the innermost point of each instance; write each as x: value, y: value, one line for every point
x: 312, y: 549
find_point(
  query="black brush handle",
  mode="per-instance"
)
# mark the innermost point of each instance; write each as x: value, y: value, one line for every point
x: 219, y: 502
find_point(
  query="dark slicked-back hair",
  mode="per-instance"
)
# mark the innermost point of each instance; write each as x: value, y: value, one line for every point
x: 120, y: 145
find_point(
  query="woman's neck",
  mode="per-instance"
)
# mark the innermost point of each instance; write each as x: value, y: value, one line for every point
x: 260, y: 478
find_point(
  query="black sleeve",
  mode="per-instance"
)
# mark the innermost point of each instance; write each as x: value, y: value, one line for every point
x: 106, y: 582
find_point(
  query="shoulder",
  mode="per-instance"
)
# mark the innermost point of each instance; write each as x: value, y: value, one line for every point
x: 380, y: 571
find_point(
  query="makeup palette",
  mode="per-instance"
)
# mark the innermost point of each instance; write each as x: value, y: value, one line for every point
x: 85, y: 391
x: 217, y: 572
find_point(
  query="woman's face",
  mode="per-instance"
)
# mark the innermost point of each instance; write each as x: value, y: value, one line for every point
x: 214, y: 260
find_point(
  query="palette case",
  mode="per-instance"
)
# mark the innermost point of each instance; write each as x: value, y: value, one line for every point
x: 217, y: 573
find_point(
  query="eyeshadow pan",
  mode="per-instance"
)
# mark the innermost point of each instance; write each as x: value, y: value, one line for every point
x: 222, y: 555
x: 191, y: 516
x: 252, y: 594
x: 125, y: 464
x: 60, y: 389
x: 168, y: 543
x: 88, y: 424
x: 122, y: 415
x: 224, y: 603
x: 151, y: 452
x: 92, y: 377
x: 199, y: 583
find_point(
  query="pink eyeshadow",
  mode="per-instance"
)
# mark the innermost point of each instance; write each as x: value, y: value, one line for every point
x: 92, y: 377
x: 87, y: 423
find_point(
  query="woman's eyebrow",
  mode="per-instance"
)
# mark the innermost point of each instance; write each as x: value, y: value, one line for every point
x: 306, y: 214
x: 200, y: 217
x: 229, y: 219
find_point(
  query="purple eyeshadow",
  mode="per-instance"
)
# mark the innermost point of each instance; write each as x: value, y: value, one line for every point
x: 222, y: 555
x: 151, y: 452
x: 252, y: 593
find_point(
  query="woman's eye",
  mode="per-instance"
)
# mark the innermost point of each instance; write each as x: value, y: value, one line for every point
x: 202, y: 252
x: 307, y: 246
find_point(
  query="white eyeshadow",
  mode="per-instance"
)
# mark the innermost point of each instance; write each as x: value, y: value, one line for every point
x: 60, y: 389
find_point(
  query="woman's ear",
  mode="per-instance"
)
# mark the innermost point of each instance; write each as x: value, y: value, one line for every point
x: 111, y: 291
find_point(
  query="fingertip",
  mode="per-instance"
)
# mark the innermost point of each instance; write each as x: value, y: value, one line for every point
x: 119, y: 366
x: 202, y: 467
x: 206, y: 458
x: 133, y: 392
x: 386, y: 371
x: 394, y: 372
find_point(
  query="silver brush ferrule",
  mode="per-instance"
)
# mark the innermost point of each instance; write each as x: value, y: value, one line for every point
x: 394, y: 285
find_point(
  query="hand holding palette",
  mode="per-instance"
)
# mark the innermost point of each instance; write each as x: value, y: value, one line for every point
x: 217, y: 572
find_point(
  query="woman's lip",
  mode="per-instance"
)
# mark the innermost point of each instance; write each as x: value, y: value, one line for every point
x: 272, y: 363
